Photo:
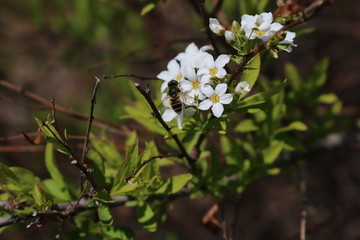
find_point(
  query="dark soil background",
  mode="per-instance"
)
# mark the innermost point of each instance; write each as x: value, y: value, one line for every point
x: 32, y: 58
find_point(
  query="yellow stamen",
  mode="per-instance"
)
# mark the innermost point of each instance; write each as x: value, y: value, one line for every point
x: 213, y: 72
x: 196, y: 84
x: 259, y: 32
x: 178, y: 77
x: 215, y: 98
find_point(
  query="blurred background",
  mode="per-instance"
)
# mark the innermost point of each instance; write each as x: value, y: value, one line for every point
x: 54, y: 49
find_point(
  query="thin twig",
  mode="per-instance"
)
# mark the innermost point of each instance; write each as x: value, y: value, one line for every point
x: 157, y: 115
x: 91, y: 118
x: 130, y: 75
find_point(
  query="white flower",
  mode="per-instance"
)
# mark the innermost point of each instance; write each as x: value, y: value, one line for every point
x: 257, y: 25
x: 289, y: 39
x: 214, y: 68
x: 193, y: 55
x: 193, y: 83
x: 216, y: 27
x: 174, y: 72
x: 229, y: 37
x: 216, y: 99
x: 242, y: 87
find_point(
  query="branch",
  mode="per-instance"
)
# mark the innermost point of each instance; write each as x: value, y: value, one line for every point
x: 157, y: 115
x: 308, y: 13
x: 91, y: 118
x: 130, y: 75
x: 64, y: 210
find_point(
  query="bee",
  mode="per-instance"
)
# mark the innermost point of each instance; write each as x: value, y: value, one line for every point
x: 176, y: 97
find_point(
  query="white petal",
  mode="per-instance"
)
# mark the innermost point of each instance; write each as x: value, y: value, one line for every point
x: 165, y: 75
x: 185, y: 86
x: 179, y: 119
x: 205, y: 105
x: 203, y: 71
x: 189, y: 72
x: 173, y: 67
x: 217, y: 109
x: 275, y: 27
x: 169, y: 115
x: 226, y: 98
x: 222, y: 60
x: 181, y: 56
x: 209, y: 61
x: 207, y: 90
x: 230, y: 37
x: 206, y: 48
x: 220, y: 89
x: 164, y: 85
x: 189, y: 111
x: 191, y: 49
x: 221, y: 73
x: 204, y: 79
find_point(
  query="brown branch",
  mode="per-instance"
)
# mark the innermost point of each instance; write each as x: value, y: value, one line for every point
x: 90, y: 120
x: 157, y: 115
x: 308, y: 13
x: 130, y: 75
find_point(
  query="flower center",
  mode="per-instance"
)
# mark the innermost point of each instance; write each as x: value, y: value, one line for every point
x: 259, y: 32
x: 196, y: 84
x: 213, y: 72
x: 178, y: 77
x: 215, y: 98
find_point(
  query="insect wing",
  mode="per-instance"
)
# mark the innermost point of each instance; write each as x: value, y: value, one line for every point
x: 187, y: 99
x: 166, y: 100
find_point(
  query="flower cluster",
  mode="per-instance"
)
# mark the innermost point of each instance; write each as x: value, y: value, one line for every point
x: 195, y: 70
x: 254, y: 27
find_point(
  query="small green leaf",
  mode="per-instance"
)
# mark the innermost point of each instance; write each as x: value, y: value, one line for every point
x: 97, y: 166
x: 173, y: 184
x: 38, y: 195
x: 272, y: 152
x: 319, y: 74
x: 294, y: 126
x: 54, y: 172
x: 327, y: 98
x: 104, y: 214
x: 25, y: 182
x: 146, y: 217
x: 118, y: 232
x: 294, y: 77
x: 103, y: 196
x: 147, y: 8
x: 246, y: 125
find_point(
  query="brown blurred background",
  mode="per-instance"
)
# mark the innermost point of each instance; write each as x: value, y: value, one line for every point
x: 56, y: 49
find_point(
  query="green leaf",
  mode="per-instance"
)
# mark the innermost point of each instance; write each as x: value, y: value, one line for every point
x: 146, y: 217
x: 272, y: 152
x: 147, y: 8
x: 55, y: 190
x: 294, y: 126
x: 118, y: 232
x: 246, y: 125
x: 252, y: 71
x: 278, y: 112
x: 173, y: 184
x: 97, y: 166
x: 38, y: 195
x: 231, y: 150
x: 103, y: 196
x: 328, y: 98
x: 25, y: 183
x: 319, y: 74
x: 260, y: 98
x: 55, y: 174
x: 104, y: 214
x: 294, y: 77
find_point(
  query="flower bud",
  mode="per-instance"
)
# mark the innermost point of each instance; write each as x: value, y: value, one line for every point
x: 216, y: 27
x: 242, y: 87
x: 230, y: 37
